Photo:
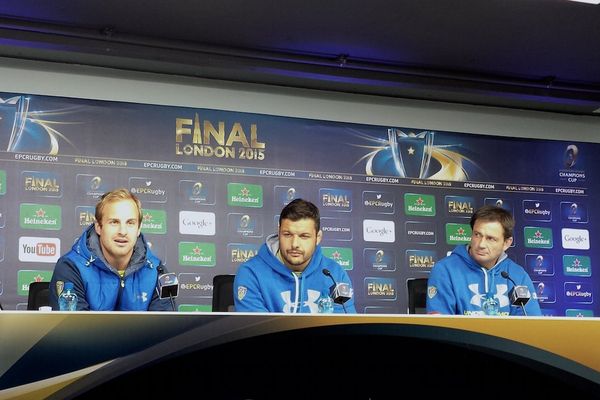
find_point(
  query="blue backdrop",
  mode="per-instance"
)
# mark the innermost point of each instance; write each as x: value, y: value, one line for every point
x: 393, y: 199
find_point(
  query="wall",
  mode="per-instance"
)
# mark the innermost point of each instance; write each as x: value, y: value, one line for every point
x: 24, y: 76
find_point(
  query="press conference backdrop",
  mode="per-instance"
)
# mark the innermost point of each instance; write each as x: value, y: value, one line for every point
x: 393, y: 199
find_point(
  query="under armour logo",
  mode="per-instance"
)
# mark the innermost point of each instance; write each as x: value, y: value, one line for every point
x: 500, y: 295
x: 311, y: 301
x: 476, y: 299
x: 286, y: 296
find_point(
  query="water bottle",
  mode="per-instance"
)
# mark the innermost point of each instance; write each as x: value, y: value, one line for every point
x: 325, y: 304
x: 490, y: 306
x: 67, y: 301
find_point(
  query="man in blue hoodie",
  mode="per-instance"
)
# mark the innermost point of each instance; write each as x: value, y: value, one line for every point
x: 290, y: 274
x: 111, y: 265
x: 470, y: 281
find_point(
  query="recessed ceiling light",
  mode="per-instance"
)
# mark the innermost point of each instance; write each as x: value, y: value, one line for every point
x: 588, y: 1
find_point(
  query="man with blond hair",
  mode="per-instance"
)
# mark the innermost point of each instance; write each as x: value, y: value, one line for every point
x: 110, y: 265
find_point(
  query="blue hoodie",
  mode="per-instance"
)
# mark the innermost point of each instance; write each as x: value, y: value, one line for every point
x: 98, y: 285
x: 264, y: 284
x: 458, y: 285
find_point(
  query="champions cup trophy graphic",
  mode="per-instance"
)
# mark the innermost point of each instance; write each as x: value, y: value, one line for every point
x: 411, y: 153
x: 13, y: 110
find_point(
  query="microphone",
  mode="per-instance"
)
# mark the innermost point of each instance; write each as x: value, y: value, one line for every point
x: 519, y: 295
x: 168, y: 285
x: 339, y: 292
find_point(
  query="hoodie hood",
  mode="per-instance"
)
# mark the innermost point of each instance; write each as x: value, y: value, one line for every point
x: 88, y: 247
x: 490, y: 276
x: 268, y: 254
x: 463, y: 253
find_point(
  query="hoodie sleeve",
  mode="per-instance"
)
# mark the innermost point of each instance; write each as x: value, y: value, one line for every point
x: 66, y: 271
x: 246, y: 291
x: 440, y: 295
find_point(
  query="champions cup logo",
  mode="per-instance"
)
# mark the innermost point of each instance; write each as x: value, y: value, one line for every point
x: 539, y: 261
x: 574, y: 212
x: 379, y: 259
x: 246, y: 225
x: 244, y: 221
x: 540, y: 289
x: 290, y: 194
x: 569, y: 173
x: 411, y: 152
x: 570, y: 157
x: 197, y: 189
x: 95, y: 183
x: 220, y: 142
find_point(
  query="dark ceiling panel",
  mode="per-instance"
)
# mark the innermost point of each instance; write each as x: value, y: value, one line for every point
x: 531, y: 54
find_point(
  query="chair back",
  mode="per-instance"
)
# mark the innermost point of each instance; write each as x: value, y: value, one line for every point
x: 39, y: 293
x: 222, y: 299
x: 417, y: 295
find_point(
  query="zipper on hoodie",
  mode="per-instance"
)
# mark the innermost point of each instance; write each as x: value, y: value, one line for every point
x: 121, y: 287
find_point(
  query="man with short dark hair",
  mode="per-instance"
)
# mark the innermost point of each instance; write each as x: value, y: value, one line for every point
x: 470, y: 281
x: 287, y: 273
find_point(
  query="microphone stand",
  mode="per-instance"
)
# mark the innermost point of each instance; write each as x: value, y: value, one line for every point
x: 507, y: 277
x: 523, y: 308
x: 327, y: 273
x: 161, y: 271
x: 172, y: 301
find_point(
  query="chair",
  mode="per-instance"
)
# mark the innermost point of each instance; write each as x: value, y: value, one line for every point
x: 222, y: 299
x: 417, y: 295
x: 39, y: 292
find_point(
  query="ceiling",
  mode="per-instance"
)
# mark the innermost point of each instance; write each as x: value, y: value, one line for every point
x: 528, y: 54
